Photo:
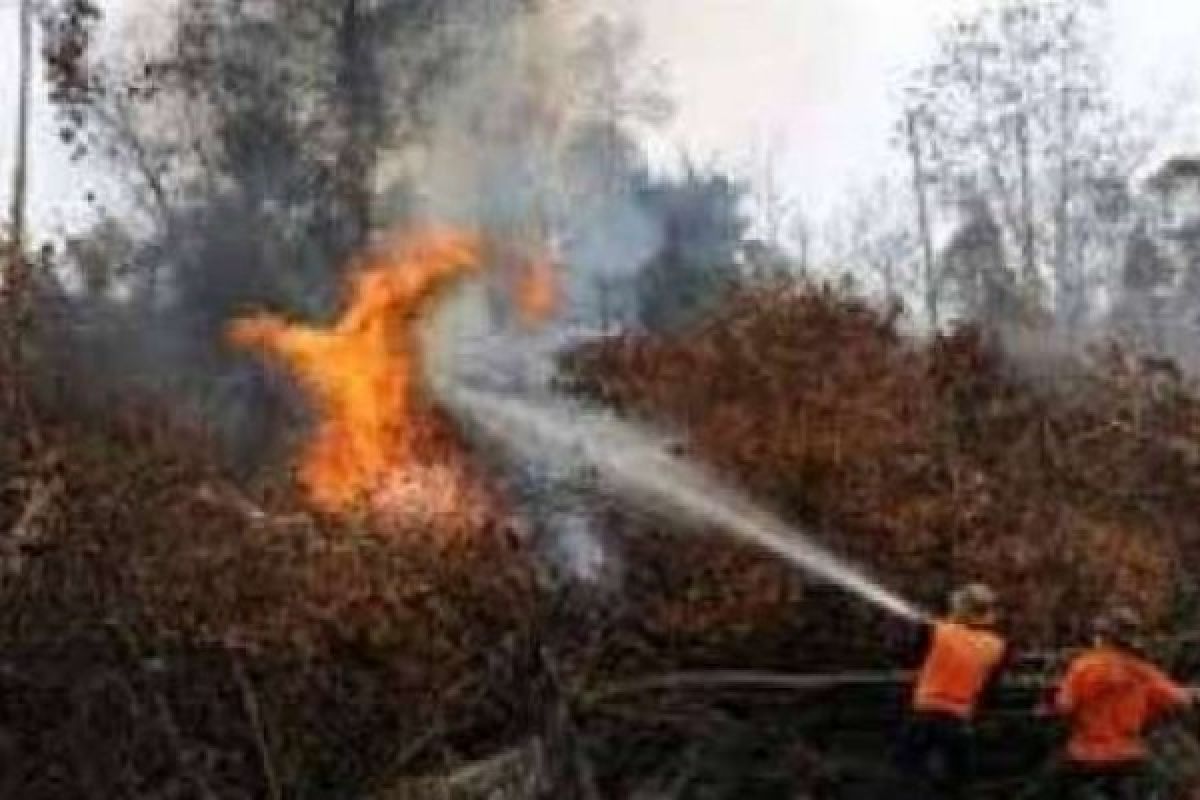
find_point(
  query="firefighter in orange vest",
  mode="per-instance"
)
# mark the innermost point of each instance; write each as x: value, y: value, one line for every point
x: 964, y: 656
x: 1109, y: 696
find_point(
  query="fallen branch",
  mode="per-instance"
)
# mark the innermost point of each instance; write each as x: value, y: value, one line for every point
x: 776, y: 681
x: 510, y: 773
x: 180, y: 748
x: 227, y: 498
x: 746, y: 679
x: 254, y: 714
x: 41, y: 496
x: 25, y: 534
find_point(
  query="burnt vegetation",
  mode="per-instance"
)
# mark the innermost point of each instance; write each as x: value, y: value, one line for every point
x: 169, y: 632
x: 177, y: 619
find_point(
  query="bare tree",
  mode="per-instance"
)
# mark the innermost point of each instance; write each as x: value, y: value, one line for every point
x: 872, y: 236
x: 913, y: 135
x: 782, y: 237
x: 617, y: 93
x: 1018, y: 116
x: 801, y: 238
x: 773, y: 205
x: 21, y: 154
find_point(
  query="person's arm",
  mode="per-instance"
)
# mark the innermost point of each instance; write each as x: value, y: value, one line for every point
x: 1066, y: 699
x: 991, y: 687
x: 918, y: 643
x: 1165, y: 695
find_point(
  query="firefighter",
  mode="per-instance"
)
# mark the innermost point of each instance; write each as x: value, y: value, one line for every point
x: 963, y: 657
x: 1109, y: 696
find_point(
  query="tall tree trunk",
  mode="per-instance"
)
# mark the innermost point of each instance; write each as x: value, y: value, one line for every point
x: 1028, y: 243
x: 1068, y: 290
x: 21, y: 156
x: 604, y: 292
x: 14, y: 284
x: 923, y: 228
x: 360, y: 98
x: 889, y: 283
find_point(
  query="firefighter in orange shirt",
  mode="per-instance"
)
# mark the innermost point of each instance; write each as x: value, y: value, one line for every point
x: 1109, y: 696
x: 964, y: 656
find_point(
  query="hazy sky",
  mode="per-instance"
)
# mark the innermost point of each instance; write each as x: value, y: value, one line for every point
x: 813, y: 76
x: 818, y: 77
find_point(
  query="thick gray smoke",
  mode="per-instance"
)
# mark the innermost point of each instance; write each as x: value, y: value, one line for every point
x: 527, y: 147
x: 521, y: 150
x: 476, y: 112
x: 639, y: 468
x: 463, y: 347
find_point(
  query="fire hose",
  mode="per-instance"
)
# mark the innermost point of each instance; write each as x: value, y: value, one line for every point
x: 781, y: 681
x: 1011, y: 785
x: 716, y: 680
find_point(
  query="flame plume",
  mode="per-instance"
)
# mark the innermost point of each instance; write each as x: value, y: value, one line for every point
x: 537, y: 293
x: 378, y: 438
x: 362, y: 374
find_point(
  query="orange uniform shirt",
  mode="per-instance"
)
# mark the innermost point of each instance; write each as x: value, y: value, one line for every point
x: 960, y: 661
x: 1110, y: 697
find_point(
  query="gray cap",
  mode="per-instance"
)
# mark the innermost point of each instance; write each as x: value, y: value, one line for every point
x: 973, y: 601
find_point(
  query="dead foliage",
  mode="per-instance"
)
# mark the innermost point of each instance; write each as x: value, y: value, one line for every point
x: 168, y: 632
x: 180, y: 639
x: 936, y: 464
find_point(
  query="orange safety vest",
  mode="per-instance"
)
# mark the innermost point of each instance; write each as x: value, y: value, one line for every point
x: 1110, y: 697
x: 960, y: 661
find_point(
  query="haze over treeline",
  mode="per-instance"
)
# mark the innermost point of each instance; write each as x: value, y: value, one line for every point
x: 250, y: 148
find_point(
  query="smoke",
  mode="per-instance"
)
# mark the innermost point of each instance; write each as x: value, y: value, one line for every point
x: 640, y: 468
x: 528, y: 138
x: 462, y: 347
x: 563, y: 458
x: 526, y: 149
x: 526, y: 132
x: 579, y: 553
x: 525, y: 146
x: 493, y: 121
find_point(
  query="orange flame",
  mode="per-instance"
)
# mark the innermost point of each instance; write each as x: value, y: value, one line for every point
x: 537, y: 292
x: 377, y: 435
x: 361, y: 373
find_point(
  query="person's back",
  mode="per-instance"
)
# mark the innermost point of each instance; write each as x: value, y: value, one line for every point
x: 961, y: 659
x: 963, y: 656
x: 1110, y: 697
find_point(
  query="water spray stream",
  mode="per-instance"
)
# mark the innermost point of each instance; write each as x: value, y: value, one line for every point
x: 640, y: 468
x: 364, y: 375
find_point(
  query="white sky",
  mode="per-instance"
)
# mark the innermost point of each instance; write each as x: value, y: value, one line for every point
x: 818, y: 77
x: 813, y: 76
